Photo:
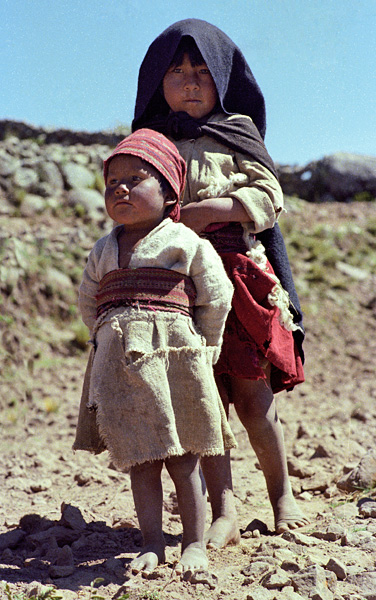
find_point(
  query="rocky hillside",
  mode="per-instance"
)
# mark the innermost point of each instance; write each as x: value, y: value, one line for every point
x: 67, y: 520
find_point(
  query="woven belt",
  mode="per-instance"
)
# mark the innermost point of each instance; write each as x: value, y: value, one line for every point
x: 149, y: 288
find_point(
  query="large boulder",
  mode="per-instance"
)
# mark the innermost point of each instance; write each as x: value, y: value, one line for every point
x: 340, y: 177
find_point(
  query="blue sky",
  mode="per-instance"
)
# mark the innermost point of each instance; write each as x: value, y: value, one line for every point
x: 74, y: 64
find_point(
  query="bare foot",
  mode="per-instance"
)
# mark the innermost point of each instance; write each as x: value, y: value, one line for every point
x: 222, y: 531
x: 148, y: 559
x: 192, y: 559
x: 288, y: 515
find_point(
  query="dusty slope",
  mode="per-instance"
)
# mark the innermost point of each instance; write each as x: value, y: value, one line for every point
x: 328, y: 421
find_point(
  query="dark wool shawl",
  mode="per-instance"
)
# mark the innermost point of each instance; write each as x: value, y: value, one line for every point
x: 238, y: 94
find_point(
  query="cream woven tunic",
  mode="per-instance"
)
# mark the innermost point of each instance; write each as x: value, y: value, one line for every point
x: 214, y: 170
x: 149, y: 383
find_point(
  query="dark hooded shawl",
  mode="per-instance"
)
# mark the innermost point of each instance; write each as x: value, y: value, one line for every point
x: 238, y: 94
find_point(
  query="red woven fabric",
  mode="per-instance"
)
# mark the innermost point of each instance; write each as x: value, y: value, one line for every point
x: 150, y: 288
x: 253, y: 330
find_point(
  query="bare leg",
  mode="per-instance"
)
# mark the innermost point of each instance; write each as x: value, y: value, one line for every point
x: 148, y: 499
x: 255, y: 406
x: 191, y: 494
x: 217, y: 472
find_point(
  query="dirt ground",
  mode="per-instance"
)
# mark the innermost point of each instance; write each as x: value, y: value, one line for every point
x: 67, y: 522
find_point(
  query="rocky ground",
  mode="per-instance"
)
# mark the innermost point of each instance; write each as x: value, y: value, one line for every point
x: 67, y: 524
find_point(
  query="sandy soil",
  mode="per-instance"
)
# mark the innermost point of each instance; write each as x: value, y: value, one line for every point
x: 328, y: 424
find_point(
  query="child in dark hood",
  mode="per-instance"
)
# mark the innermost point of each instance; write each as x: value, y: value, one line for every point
x: 196, y: 87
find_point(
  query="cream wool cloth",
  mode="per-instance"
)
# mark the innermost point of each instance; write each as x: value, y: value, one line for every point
x: 215, y: 170
x: 149, y: 390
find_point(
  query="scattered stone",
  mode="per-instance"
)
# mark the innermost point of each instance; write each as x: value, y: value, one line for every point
x: 368, y: 509
x: 122, y: 523
x: 360, y: 539
x: 115, y: 566
x: 311, y: 580
x: 40, y: 486
x: 205, y: 578
x: 256, y: 570
x: 338, y: 568
x: 260, y: 594
x: 77, y: 176
x: 25, y: 178
x: 319, y: 482
x: 298, y: 469
x: 290, y: 566
x: 11, y: 539
x: 32, y: 205
x: 333, y: 532
x: 91, y: 201
x: 362, y: 477
x: 363, y: 582
x: 35, y: 589
x: 276, y: 579
x: 71, y: 517
x: 321, y: 452
x: 57, y: 571
x: 299, y: 538
x: 63, y: 535
x: 256, y: 526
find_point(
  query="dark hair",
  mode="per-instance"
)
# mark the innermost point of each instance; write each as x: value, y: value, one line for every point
x: 188, y: 46
x: 165, y: 185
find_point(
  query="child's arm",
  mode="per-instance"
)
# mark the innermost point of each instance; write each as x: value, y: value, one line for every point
x: 258, y: 201
x: 87, y: 294
x: 198, y: 215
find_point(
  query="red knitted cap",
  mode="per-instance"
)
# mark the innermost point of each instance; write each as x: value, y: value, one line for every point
x: 157, y: 150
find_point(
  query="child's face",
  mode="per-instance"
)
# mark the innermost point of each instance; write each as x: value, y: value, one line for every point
x: 190, y: 89
x: 133, y: 196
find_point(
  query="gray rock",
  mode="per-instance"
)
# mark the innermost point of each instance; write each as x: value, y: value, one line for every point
x: 205, y: 578
x: 49, y: 173
x: 58, y: 572
x: 260, y: 594
x: 338, y: 568
x: 367, y: 509
x: 360, y: 539
x: 91, y: 200
x: 25, y: 178
x: 363, y: 582
x: 340, y: 177
x: 57, y: 281
x: 276, y: 580
x: 256, y: 570
x: 310, y: 580
x: 71, y: 517
x: 40, y: 486
x: 299, y: 538
x: 362, y: 477
x: 11, y: 539
x: 77, y: 176
x: 8, y: 164
x: 63, y: 536
x: 32, y: 205
x: 333, y: 532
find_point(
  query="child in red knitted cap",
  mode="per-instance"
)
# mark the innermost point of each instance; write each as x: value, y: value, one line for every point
x: 155, y: 298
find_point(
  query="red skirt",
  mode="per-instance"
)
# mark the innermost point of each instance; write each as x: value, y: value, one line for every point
x: 253, y: 331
